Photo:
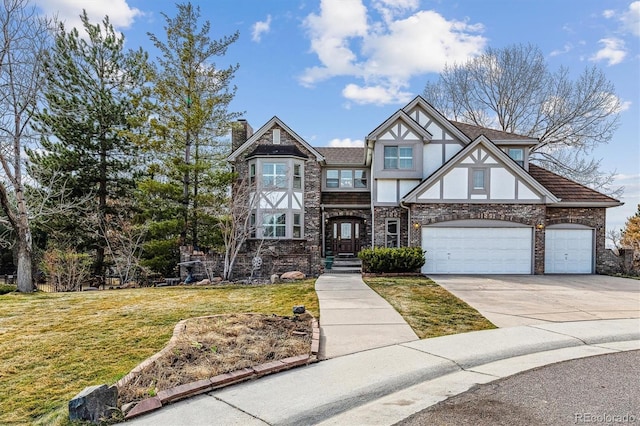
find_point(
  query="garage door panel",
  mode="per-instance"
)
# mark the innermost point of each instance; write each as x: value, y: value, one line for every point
x: 568, y: 251
x: 477, y: 250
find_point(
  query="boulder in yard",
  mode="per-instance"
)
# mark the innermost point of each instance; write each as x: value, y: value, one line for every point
x: 293, y: 275
x: 275, y: 278
x: 94, y: 404
x: 206, y: 281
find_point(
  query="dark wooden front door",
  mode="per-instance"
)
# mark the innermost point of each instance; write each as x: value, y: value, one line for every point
x: 345, y: 234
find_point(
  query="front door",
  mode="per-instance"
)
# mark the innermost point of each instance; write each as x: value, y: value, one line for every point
x: 346, y: 236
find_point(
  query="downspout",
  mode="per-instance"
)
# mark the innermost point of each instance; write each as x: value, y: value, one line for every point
x: 369, y: 159
x: 408, y: 222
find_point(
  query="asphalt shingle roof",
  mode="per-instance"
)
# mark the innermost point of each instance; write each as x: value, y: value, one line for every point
x: 342, y: 155
x: 566, y: 189
x: 495, y: 135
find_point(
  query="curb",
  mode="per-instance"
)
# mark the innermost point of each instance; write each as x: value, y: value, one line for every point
x: 188, y: 390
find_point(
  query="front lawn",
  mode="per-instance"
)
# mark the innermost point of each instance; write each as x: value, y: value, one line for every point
x: 430, y: 310
x: 52, y: 345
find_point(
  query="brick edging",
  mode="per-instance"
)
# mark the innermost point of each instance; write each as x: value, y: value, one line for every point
x: 176, y: 393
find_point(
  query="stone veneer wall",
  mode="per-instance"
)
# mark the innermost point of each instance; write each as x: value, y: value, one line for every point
x: 531, y: 215
x: 591, y: 217
x: 382, y: 213
x: 626, y: 261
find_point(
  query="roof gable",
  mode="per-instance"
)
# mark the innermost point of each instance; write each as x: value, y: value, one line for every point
x: 399, y: 118
x: 514, y: 183
x: 265, y: 128
x: 424, y: 114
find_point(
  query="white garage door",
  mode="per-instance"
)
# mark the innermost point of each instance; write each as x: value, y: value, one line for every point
x: 477, y: 250
x: 568, y: 251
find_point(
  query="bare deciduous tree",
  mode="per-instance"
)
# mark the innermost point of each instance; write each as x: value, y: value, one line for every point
x: 23, y: 37
x: 512, y: 89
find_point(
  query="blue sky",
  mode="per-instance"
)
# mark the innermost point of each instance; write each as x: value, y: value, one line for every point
x: 333, y: 70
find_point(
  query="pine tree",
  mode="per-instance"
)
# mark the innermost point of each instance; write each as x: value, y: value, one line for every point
x: 93, y: 88
x: 192, y: 96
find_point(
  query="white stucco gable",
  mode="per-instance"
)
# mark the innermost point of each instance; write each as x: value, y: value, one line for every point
x: 481, y: 172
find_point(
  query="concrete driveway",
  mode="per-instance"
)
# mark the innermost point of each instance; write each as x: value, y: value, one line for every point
x: 512, y: 300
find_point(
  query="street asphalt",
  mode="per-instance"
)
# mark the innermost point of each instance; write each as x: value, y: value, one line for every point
x: 385, y: 383
x: 597, y: 390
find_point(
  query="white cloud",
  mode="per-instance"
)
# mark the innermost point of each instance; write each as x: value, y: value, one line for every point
x: 378, y: 95
x: 259, y: 28
x: 631, y: 19
x: 613, y: 51
x: 387, y: 53
x: 565, y: 49
x: 346, y: 143
x: 609, y: 13
x: 121, y: 15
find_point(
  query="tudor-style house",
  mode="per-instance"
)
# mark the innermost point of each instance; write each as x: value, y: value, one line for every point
x: 467, y: 195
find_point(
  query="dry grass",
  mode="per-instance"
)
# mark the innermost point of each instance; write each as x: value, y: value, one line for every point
x: 210, y: 346
x: 429, y: 309
x: 53, y: 345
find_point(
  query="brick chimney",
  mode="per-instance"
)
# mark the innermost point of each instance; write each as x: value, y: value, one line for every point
x: 240, y: 132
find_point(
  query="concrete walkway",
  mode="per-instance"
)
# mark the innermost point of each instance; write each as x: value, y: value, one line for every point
x: 354, y: 318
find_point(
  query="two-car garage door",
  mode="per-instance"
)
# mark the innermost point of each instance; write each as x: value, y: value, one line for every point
x: 508, y: 249
x: 477, y: 250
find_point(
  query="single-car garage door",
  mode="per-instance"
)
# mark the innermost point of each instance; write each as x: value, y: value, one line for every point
x: 473, y: 250
x: 568, y: 251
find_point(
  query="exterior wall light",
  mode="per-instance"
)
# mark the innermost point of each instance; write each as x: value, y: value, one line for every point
x: 540, y: 226
x: 416, y: 225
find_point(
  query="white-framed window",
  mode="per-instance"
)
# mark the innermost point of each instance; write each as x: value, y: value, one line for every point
x: 345, y: 179
x: 297, y: 225
x: 274, y: 175
x: 517, y: 154
x: 274, y: 225
x: 392, y: 233
x: 297, y: 176
x: 398, y: 157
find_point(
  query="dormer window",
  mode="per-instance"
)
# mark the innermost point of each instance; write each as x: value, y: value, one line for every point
x: 517, y: 154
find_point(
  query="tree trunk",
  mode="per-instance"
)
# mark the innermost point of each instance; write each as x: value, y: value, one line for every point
x: 24, y: 272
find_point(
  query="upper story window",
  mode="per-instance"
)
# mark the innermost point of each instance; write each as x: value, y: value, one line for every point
x: 297, y: 176
x: 478, y: 180
x: 274, y: 175
x: 517, y: 154
x: 346, y: 179
x: 398, y: 157
x: 252, y: 173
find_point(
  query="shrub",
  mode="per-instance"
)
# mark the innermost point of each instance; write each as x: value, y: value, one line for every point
x: 6, y: 288
x: 66, y: 269
x: 403, y: 259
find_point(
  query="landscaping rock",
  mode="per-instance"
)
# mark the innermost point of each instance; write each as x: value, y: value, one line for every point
x: 215, y: 280
x: 298, y: 309
x: 293, y: 275
x: 94, y: 403
x: 206, y: 281
x: 275, y: 279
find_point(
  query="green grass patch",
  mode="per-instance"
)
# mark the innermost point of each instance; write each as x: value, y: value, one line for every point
x: 52, y: 345
x: 430, y: 310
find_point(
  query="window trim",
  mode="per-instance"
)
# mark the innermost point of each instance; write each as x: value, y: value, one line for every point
x: 387, y: 234
x: 358, y: 179
x: 521, y: 150
x: 472, y: 179
x: 395, y: 161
